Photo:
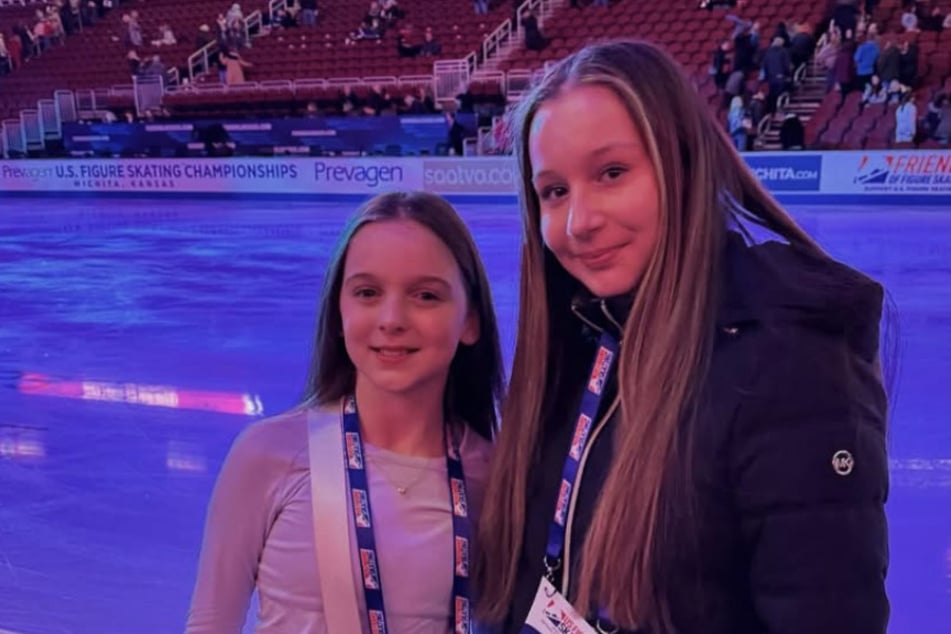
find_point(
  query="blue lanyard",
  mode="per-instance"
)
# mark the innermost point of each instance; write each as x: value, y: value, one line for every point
x: 604, y: 360
x: 460, y: 619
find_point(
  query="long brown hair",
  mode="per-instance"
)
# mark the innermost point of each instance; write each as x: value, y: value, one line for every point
x: 667, y: 339
x: 476, y: 376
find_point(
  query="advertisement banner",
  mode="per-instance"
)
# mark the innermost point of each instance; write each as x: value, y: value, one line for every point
x: 220, y: 176
x: 886, y: 173
x: 817, y: 177
x: 787, y: 172
x: 482, y: 176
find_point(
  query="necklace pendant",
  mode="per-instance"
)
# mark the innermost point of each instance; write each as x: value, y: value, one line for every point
x: 401, y: 490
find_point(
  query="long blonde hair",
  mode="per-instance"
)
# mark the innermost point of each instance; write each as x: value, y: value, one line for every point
x: 666, y: 344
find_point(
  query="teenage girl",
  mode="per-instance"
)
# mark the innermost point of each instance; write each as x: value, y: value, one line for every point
x: 693, y: 440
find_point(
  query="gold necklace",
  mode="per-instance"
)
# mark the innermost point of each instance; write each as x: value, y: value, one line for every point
x: 401, y: 489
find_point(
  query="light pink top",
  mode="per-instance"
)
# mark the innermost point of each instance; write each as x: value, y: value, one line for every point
x: 259, y: 535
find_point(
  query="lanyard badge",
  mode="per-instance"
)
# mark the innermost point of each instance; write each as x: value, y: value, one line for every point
x: 551, y: 611
x: 460, y: 620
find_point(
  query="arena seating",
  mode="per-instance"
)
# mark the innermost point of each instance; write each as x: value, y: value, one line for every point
x: 95, y: 59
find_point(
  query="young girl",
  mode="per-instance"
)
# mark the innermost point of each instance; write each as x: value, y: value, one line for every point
x: 407, y: 364
x: 693, y: 439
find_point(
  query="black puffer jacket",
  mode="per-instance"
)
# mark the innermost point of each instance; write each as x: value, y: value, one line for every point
x: 781, y: 543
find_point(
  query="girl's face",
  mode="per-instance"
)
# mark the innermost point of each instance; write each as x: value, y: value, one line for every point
x: 404, y: 308
x: 597, y: 189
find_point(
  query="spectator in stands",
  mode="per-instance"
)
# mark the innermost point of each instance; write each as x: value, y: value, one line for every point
x: 937, y: 122
x: 27, y: 40
x: 412, y: 106
x: 378, y: 101
x: 465, y: 101
x: 234, y: 67
x: 909, y: 21
x: 391, y: 11
x: 403, y: 46
x: 889, y: 62
x: 720, y: 67
x: 348, y: 103
x: 738, y: 124
x: 153, y: 68
x: 943, y: 129
x: 204, y: 37
x: 15, y: 51
x: 755, y: 37
x: 237, y: 35
x: 735, y: 86
x: 875, y: 91
x: 906, y: 119
x: 308, y: 13
x: 165, y: 36
x: 929, y: 124
x: 502, y: 133
x: 744, y: 48
x: 827, y: 55
x: 425, y: 97
x: 134, y: 61
x: 237, y: 30
x: 375, y: 11
x: 534, y: 39
x: 370, y: 29
x: 292, y: 15
x: 845, y: 15
x: 430, y: 47
x: 782, y: 32
x: 757, y: 109
x: 56, y: 23
x: 792, y: 134
x: 235, y: 14
x: 42, y: 32
x: 777, y: 70
x: 456, y: 135
x: 90, y: 13
x: 908, y: 63
x: 5, y: 64
x: 740, y: 25
x: 70, y: 15
x: 802, y: 45
x: 845, y: 64
x: 895, y: 92
x: 284, y: 19
x: 866, y: 56
x: 133, y: 29
x: 481, y: 6
x: 934, y: 21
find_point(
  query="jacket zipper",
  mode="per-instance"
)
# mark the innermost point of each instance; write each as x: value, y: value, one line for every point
x: 566, y: 558
x: 566, y: 563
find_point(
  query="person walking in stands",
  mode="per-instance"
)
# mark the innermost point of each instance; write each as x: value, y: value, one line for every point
x: 406, y: 379
x: 694, y: 436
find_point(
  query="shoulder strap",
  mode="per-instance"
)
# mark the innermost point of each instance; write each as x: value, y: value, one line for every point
x: 331, y: 510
